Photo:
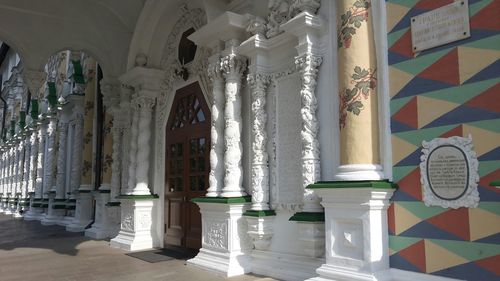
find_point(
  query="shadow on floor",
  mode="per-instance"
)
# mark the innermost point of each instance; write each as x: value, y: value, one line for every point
x: 18, y: 233
x: 166, y: 254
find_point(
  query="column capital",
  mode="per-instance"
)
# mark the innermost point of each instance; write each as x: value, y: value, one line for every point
x: 110, y: 89
x: 34, y: 79
x: 215, y: 72
x: 144, y: 79
x: 259, y: 80
x: 233, y: 64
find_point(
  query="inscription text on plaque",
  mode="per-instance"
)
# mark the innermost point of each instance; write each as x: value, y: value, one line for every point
x: 449, y: 173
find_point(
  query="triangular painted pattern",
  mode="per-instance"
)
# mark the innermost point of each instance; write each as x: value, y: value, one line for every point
x: 450, y: 90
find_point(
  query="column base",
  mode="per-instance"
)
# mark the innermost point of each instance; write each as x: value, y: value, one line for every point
x: 226, y: 245
x: 136, y: 221
x: 260, y: 227
x: 107, y: 221
x: 83, y: 212
x: 66, y: 220
x: 55, y: 212
x: 34, y: 213
x: 356, y: 230
x: 311, y: 233
x: 359, y: 172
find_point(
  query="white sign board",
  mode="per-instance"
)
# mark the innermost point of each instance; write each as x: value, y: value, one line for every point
x: 449, y: 173
x: 440, y: 26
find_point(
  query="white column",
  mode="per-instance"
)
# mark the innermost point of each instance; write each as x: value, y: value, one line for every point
x: 146, y: 104
x: 125, y: 106
x: 132, y: 149
x: 26, y: 166
x: 33, y: 212
x: 76, y: 165
x: 40, y: 161
x: 48, y: 179
x: 61, y: 160
x: 308, y: 65
x: 233, y: 66
x: 216, y: 176
x: 260, y: 170
x: 18, y: 167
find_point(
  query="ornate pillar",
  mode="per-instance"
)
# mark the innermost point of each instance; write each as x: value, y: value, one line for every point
x: 359, y: 133
x: 308, y: 65
x: 33, y: 212
x: 125, y: 106
x: 306, y: 26
x: 145, y: 106
x: 49, y: 187
x: 258, y: 83
x: 233, y: 67
x: 132, y: 149
x: 216, y: 176
x: 61, y: 160
x: 76, y: 165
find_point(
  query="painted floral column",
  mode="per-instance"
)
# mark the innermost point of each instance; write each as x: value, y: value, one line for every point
x: 216, y: 177
x: 359, y: 133
x: 107, y: 151
x: 258, y: 83
x: 76, y: 160
x: 88, y: 128
x: 233, y: 66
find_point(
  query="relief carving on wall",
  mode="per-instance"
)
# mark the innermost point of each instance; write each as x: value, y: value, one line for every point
x: 215, y: 234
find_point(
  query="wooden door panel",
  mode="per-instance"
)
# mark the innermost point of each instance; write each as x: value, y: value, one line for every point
x: 186, y: 166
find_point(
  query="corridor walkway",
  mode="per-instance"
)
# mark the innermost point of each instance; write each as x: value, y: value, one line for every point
x: 30, y: 251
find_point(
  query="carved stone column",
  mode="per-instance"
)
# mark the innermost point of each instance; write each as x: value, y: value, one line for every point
x: 260, y: 170
x: 216, y: 177
x: 125, y: 95
x: 76, y: 165
x: 33, y: 212
x: 146, y: 104
x: 308, y: 65
x: 37, y: 205
x: 233, y: 66
x: 132, y: 149
x: 61, y: 160
x: 49, y: 187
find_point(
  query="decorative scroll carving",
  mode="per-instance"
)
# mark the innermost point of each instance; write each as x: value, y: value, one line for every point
x: 308, y: 66
x: 260, y: 171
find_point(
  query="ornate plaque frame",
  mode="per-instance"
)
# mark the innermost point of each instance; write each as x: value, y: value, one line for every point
x: 470, y: 196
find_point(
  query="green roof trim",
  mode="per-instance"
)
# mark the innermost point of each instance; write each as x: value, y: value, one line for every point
x: 34, y: 109
x: 78, y: 72
x: 138, y: 197
x: 261, y: 213
x: 308, y: 217
x: 52, y: 97
x: 495, y: 183
x: 112, y: 204
x: 382, y: 184
x: 222, y: 200
x: 22, y: 119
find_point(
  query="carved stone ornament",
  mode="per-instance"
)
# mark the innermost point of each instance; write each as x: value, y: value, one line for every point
x: 449, y: 173
x: 280, y: 12
x: 215, y: 234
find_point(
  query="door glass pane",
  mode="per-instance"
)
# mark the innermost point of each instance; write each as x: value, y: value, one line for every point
x: 192, y: 183
x: 201, y: 183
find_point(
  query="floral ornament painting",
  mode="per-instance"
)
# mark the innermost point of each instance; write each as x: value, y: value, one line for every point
x: 350, y: 21
x: 351, y: 100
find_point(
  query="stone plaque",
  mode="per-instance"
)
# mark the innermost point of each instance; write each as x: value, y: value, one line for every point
x: 449, y: 173
x: 440, y: 26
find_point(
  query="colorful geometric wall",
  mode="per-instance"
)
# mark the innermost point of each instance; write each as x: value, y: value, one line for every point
x: 451, y: 90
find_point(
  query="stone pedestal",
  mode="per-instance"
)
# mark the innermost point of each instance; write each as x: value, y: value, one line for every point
x: 356, y: 230
x: 70, y: 213
x: 226, y: 245
x: 260, y: 228
x: 83, y: 212
x: 36, y: 211
x: 106, y: 225
x: 55, y: 211
x: 136, y: 221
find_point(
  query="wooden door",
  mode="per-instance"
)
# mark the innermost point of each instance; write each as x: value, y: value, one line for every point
x: 187, y: 166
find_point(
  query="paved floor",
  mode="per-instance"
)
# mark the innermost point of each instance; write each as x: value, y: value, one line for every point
x: 32, y: 252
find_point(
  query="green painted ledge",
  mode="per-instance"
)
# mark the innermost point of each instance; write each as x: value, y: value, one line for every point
x: 113, y: 204
x: 308, y: 217
x: 261, y: 213
x: 495, y: 183
x: 83, y: 191
x: 222, y: 200
x: 138, y: 197
x: 382, y: 184
x: 104, y: 191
